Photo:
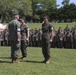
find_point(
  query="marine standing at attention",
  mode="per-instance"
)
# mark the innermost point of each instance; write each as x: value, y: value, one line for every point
x: 47, y: 37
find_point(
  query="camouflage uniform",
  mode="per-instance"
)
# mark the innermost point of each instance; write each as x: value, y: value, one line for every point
x: 60, y: 39
x: 46, y: 30
x: 40, y: 38
x: 68, y: 40
x: 74, y: 39
x: 6, y: 37
x: 2, y: 38
x: 24, y: 42
x: 14, y: 27
x: 64, y: 39
x: 30, y: 38
x: 36, y: 38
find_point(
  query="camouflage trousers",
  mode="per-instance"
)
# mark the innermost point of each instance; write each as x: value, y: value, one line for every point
x: 14, y: 49
x: 46, y: 48
x: 23, y: 48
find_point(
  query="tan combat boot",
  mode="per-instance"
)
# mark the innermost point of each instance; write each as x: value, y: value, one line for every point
x: 48, y: 61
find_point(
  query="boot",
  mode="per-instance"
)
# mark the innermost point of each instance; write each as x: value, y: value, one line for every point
x: 15, y: 61
x: 48, y: 61
x: 23, y: 58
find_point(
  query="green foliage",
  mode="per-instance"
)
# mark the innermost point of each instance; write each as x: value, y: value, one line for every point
x: 25, y: 7
x: 68, y: 11
x: 36, y: 9
x: 43, y: 8
x: 8, y: 8
x: 36, y: 18
x: 63, y: 62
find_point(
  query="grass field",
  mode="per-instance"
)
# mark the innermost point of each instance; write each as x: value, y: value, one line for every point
x: 63, y: 62
x: 56, y: 25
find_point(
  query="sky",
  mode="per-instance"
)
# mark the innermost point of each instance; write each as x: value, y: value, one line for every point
x: 60, y: 1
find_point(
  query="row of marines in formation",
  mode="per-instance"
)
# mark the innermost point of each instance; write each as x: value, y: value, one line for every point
x: 63, y: 38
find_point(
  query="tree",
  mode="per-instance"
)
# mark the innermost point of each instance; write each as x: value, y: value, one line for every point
x: 25, y: 7
x: 40, y: 7
x: 67, y: 12
x: 5, y: 7
x: 8, y: 8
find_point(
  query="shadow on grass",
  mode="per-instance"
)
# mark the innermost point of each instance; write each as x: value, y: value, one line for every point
x: 31, y: 61
x: 2, y: 61
x: 5, y: 57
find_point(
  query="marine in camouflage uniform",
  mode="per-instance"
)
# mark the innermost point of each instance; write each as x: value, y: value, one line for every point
x: 74, y: 39
x: 32, y: 38
x: 6, y: 37
x: 36, y: 38
x: 64, y: 39
x: 24, y: 38
x: 67, y: 28
x: 69, y: 39
x: 60, y: 39
x: 40, y: 38
x: 14, y: 37
x: 1, y: 38
x: 47, y: 36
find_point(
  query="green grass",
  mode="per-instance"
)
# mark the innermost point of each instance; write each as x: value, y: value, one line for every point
x: 56, y: 25
x: 63, y: 62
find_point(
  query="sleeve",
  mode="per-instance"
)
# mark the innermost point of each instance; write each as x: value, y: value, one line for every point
x: 9, y: 27
x: 27, y: 27
x: 51, y: 28
x: 18, y: 27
